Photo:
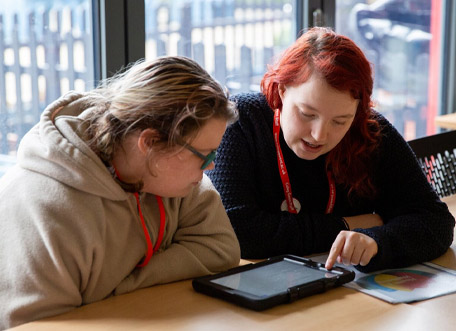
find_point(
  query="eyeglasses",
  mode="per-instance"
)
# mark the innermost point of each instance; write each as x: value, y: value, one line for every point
x: 208, y: 159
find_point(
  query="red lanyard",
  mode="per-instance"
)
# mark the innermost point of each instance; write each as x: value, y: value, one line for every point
x: 161, y: 208
x: 151, y: 252
x: 284, y: 174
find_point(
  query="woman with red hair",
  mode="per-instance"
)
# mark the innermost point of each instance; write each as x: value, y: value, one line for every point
x: 310, y: 167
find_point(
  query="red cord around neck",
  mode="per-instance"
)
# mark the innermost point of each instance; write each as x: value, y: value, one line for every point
x: 284, y: 173
x: 150, y: 251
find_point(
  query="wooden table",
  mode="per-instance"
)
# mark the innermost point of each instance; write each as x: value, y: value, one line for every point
x: 177, y: 306
x: 446, y: 121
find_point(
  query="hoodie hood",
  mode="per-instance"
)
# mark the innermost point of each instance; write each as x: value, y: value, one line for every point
x: 56, y: 148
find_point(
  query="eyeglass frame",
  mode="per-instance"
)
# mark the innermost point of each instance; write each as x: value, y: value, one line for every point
x: 208, y: 159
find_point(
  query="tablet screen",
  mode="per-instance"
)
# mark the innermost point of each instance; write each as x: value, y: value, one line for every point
x: 273, y: 278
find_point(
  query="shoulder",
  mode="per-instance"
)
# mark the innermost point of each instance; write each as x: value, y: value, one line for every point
x: 251, y: 104
x: 254, y: 112
x: 51, y: 204
x: 393, y: 150
x: 389, y: 134
x: 386, y: 128
x: 252, y: 100
x: 57, y: 220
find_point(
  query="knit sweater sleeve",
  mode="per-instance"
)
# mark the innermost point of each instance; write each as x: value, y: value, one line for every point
x: 418, y: 226
x: 245, y: 175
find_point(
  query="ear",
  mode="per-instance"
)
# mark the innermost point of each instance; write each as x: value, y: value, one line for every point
x: 281, y: 88
x: 147, y: 140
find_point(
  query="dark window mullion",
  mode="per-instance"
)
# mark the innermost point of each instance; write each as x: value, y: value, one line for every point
x: 135, y: 30
x: 120, y: 34
x: 329, y: 13
x: 112, y: 33
x: 307, y: 11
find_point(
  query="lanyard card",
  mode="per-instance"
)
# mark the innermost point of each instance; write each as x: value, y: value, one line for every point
x: 275, y: 281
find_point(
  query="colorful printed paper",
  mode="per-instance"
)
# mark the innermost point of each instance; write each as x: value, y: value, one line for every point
x: 415, y: 283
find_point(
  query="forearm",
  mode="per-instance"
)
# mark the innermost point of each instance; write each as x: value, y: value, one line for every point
x: 179, y: 261
x: 409, y: 239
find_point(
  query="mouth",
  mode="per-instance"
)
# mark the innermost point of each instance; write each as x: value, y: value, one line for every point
x: 311, y: 147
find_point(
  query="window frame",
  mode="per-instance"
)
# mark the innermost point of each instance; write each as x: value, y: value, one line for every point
x: 119, y: 35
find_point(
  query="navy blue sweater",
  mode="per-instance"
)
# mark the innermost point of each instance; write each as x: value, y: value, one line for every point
x: 418, y: 226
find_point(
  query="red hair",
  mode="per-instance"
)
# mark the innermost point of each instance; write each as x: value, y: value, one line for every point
x: 344, y: 67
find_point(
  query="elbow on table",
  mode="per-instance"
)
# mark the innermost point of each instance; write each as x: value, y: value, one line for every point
x: 228, y: 257
x: 447, y: 241
x: 444, y: 239
x: 234, y: 255
x: 450, y: 237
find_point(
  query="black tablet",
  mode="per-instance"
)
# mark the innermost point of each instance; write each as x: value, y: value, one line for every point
x: 277, y: 280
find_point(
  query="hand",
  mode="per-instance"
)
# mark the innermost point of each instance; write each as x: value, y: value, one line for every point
x: 351, y: 248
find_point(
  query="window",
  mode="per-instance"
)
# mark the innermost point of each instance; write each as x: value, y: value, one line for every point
x: 46, y: 49
x: 403, y: 41
x: 233, y: 40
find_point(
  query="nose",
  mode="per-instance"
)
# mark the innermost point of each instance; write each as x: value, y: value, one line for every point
x: 210, y: 166
x: 319, y: 131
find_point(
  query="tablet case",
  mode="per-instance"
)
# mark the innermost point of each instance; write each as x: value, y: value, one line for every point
x: 339, y: 277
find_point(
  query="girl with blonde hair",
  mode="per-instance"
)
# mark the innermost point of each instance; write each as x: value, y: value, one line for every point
x: 109, y: 196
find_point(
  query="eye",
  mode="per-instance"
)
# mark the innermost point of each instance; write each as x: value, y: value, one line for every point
x: 307, y: 116
x: 339, y: 123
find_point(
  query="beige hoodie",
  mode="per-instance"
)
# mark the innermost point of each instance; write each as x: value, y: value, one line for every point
x: 71, y: 236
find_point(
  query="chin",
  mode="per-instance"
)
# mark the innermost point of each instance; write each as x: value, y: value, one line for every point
x: 307, y: 156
